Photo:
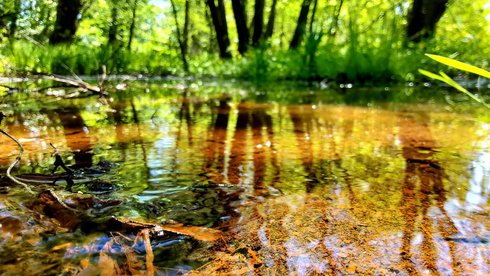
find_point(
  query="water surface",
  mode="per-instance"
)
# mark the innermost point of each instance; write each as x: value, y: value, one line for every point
x: 299, y: 180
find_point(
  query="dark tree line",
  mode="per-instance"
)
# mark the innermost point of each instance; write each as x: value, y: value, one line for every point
x: 422, y: 20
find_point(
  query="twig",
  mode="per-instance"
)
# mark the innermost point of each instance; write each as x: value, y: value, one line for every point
x: 17, y: 160
x: 77, y: 83
x: 150, y: 269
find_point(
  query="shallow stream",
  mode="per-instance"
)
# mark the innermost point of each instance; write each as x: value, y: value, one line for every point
x: 292, y: 180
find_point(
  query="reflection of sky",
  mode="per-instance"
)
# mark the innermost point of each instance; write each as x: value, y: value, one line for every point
x: 477, y: 196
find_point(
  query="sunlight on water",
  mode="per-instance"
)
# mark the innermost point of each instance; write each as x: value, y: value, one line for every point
x: 319, y: 187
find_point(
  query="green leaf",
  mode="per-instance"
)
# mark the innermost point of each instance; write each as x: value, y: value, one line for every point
x: 460, y: 65
x: 456, y: 85
x: 448, y: 80
x: 431, y: 75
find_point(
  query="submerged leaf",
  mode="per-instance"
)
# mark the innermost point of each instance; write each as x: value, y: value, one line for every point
x: 198, y: 233
x: 49, y: 205
x: 107, y: 265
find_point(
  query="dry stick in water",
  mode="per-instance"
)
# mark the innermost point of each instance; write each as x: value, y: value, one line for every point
x: 77, y: 83
x: 17, y: 159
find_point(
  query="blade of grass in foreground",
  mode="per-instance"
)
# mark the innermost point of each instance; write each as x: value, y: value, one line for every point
x: 460, y: 65
x: 448, y: 80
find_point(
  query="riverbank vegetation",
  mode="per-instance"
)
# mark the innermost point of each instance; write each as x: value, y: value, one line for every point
x: 346, y: 41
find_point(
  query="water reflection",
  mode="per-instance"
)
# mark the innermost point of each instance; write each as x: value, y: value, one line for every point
x: 303, y: 189
x: 422, y: 189
x: 215, y: 151
x: 76, y: 134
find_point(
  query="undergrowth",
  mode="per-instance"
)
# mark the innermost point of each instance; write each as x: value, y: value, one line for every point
x: 359, y: 61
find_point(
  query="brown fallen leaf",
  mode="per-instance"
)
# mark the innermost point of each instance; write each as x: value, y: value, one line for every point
x: 107, y: 265
x: 49, y: 205
x: 10, y: 226
x: 84, y: 202
x: 127, y: 225
x: 198, y: 233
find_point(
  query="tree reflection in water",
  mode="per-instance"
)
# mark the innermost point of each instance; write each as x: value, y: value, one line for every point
x: 298, y: 189
x: 423, y: 188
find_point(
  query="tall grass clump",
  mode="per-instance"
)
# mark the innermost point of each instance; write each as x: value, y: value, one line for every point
x: 83, y: 59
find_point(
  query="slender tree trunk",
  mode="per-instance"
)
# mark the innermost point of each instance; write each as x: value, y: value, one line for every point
x: 113, y: 29
x: 133, y: 23
x: 270, y: 23
x: 423, y: 17
x: 301, y: 25
x: 187, y: 22
x: 209, y: 21
x: 3, y: 22
x: 13, y: 19
x: 182, y: 46
x: 219, y: 21
x: 313, y: 13
x: 241, y: 25
x: 258, y: 22
x: 66, y: 23
x: 332, y: 30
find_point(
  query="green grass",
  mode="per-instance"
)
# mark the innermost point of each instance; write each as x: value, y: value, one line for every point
x: 357, y: 61
x: 84, y: 60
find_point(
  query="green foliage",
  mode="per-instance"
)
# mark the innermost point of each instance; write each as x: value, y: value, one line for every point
x: 350, y: 41
x: 448, y: 80
x: 85, y: 60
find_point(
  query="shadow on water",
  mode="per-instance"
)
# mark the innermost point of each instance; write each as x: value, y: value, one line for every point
x: 296, y: 184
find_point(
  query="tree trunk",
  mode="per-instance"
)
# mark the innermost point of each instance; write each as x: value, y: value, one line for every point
x: 113, y: 28
x: 423, y: 17
x: 187, y: 21
x: 182, y: 41
x: 209, y: 21
x: 13, y: 19
x: 241, y: 24
x: 66, y: 23
x: 218, y: 16
x: 313, y: 13
x: 301, y: 25
x: 258, y: 22
x: 133, y: 23
x: 270, y: 23
x: 332, y: 30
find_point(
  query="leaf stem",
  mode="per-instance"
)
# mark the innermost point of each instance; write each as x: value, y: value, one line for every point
x: 17, y: 160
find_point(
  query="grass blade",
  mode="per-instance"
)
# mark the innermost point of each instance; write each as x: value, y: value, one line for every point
x: 448, y: 80
x: 460, y: 65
